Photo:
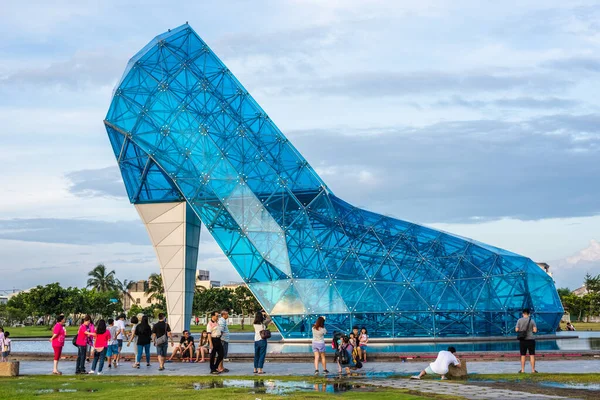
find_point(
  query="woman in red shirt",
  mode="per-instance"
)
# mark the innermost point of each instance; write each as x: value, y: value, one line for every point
x: 58, y: 341
x: 102, y: 336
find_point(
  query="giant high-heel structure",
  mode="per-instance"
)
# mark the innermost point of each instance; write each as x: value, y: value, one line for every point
x: 193, y: 145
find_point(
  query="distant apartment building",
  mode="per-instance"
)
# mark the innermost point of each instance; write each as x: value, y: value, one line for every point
x: 580, y: 291
x: 3, y: 299
x: 203, y: 280
x: 137, y: 291
x: 545, y: 267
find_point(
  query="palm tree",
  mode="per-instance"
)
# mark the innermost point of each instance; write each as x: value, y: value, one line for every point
x: 123, y: 288
x: 100, y: 280
x: 155, y: 290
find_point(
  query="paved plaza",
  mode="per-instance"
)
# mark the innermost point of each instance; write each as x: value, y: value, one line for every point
x: 370, y: 369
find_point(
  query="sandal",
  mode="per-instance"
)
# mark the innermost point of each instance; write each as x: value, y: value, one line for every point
x: 56, y: 373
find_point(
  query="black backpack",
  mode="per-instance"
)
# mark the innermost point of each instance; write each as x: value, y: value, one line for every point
x: 343, y: 356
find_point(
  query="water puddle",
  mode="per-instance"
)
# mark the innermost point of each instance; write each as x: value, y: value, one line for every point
x: 269, y: 386
x: 45, y: 391
x: 580, y: 386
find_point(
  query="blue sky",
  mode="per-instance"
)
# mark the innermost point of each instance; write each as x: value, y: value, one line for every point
x: 479, y: 118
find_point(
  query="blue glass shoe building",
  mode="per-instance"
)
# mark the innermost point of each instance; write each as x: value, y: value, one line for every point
x: 193, y: 145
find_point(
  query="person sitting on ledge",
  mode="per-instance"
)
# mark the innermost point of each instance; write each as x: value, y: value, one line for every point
x: 185, y: 348
x: 440, y: 365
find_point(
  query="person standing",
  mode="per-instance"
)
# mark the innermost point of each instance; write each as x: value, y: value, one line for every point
x: 161, y: 332
x: 261, y: 321
x: 363, y: 342
x: 5, y: 347
x: 113, y: 345
x: 142, y: 336
x: 214, y: 338
x: 134, y: 322
x: 81, y: 342
x: 120, y: 323
x: 224, y: 338
x: 527, y: 342
x: 90, y: 341
x: 102, y: 337
x: 58, y: 341
x: 318, y: 344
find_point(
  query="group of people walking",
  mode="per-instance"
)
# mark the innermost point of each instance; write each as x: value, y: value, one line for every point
x: 103, y: 342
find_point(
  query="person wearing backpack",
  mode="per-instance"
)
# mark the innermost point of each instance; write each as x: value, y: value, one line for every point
x: 261, y: 334
x: 525, y: 329
x: 345, y: 357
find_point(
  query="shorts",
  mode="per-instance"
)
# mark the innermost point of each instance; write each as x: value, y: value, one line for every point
x: 57, y: 352
x: 429, y: 371
x: 112, y: 350
x: 5, y: 354
x: 225, y: 348
x: 318, y: 347
x: 161, y: 349
x: 120, y: 343
x: 527, y: 345
x: 362, y: 346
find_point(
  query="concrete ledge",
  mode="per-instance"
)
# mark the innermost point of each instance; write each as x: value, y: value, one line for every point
x: 10, y: 368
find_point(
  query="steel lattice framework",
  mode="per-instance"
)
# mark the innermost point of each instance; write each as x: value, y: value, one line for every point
x: 184, y: 129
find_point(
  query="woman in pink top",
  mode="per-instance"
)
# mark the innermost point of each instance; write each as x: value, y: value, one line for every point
x: 58, y: 341
x: 82, y: 335
x: 102, y: 336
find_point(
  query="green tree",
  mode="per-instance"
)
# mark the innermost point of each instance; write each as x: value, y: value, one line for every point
x: 156, y: 290
x: 562, y: 292
x: 592, y: 298
x: 135, y: 309
x: 100, y: 280
x: 47, y: 301
x: 214, y: 299
x: 244, y: 302
x: 123, y: 289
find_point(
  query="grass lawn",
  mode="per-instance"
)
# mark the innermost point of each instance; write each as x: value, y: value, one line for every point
x: 180, y: 387
x: 44, y: 331
x: 583, y: 326
x: 534, y: 378
x: 35, y: 331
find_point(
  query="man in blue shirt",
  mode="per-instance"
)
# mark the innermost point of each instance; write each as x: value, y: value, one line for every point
x: 224, y: 337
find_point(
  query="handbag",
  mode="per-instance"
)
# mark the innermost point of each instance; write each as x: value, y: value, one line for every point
x: 161, y: 340
x: 74, y: 341
x: 265, y: 334
x: 521, y: 335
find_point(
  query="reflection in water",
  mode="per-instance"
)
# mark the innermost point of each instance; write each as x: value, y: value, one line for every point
x: 270, y: 386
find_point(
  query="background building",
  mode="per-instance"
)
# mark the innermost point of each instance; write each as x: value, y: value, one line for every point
x: 137, y: 291
x: 203, y: 280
